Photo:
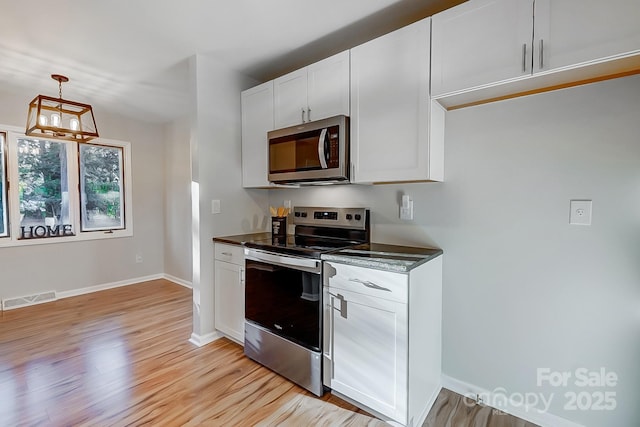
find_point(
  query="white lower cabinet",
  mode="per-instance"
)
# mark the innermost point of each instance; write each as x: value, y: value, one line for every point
x: 382, y: 338
x: 229, y: 291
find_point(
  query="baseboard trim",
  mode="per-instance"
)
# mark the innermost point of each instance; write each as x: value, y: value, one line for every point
x: 105, y: 286
x: 178, y: 281
x: 202, y: 340
x: 531, y: 415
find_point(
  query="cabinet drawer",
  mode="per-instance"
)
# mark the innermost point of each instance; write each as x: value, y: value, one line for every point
x: 376, y: 283
x: 229, y: 253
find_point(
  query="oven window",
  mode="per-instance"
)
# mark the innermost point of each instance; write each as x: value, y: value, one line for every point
x: 285, y: 301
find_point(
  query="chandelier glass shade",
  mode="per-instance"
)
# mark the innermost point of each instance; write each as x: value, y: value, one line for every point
x: 60, y: 118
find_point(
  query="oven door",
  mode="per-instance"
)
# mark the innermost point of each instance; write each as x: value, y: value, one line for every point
x: 283, y: 295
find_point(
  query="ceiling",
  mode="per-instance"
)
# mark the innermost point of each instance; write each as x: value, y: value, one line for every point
x: 132, y: 55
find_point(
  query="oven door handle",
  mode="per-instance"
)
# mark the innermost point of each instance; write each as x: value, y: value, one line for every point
x: 311, y: 265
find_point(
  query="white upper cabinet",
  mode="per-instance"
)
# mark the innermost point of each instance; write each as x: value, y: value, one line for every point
x: 257, y: 120
x: 290, y: 99
x: 395, y: 133
x: 315, y: 92
x: 497, y: 48
x: 571, y: 32
x: 481, y: 42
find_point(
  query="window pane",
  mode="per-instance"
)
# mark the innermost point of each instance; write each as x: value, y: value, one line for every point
x: 43, y: 188
x: 4, y: 214
x: 101, y: 187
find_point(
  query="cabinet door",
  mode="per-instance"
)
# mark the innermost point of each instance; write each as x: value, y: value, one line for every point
x: 481, y: 42
x: 328, y: 87
x: 571, y: 32
x: 368, y: 351
x: 229, y: 295
x: 390, y: 106
x: 290, y: 99
x: 257, y: 120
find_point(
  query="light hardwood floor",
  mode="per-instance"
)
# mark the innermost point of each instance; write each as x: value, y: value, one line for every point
x: 122, y: 357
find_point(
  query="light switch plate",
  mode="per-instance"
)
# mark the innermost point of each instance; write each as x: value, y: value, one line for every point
x: 580, y: 212
x: 215, y: 206
x: 406, y: 209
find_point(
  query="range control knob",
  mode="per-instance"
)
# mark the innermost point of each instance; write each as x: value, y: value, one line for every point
x: 358, y: 217
x: 349, y: 217
x: 304, y: 214
x: 297, y: 214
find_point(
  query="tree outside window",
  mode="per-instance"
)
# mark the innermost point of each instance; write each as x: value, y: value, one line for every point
x: 43, y: 183
x: 101, y: 195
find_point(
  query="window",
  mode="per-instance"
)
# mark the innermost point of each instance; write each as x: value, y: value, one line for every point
x: 101, y: 195
x: 54, y: 190
x: 43, y: 180
x: 4, y: 214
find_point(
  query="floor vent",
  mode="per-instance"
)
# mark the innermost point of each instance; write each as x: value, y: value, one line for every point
x: 8, y: 304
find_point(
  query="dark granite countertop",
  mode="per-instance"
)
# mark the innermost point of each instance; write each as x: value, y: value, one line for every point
x: 241, y: 239
x: 380, y: 256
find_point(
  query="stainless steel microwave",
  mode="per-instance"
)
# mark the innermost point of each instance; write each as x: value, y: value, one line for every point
x: 313, y: 152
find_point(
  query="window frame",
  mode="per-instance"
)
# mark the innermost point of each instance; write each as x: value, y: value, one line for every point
x: 12, y: 134
x: 123, y: 189
x: 4, y: 179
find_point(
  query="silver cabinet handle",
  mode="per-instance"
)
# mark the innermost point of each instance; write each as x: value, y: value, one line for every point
x: 524, y: 57
x: 241, y: 272
x: 541, y: 54
x: 371, y: 285
x: 343, y: 305
x: 227, y: 253
x: 308, y: 114
x: 302, y: 115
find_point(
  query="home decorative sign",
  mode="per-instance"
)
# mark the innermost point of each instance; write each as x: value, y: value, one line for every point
x: 45, y: 231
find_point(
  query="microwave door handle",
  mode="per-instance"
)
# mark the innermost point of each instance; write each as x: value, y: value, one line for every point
x: 321, y: 153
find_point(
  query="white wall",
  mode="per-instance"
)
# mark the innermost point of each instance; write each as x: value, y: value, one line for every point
x: 217, y: 174
x: 76, y: 265
x: 523, y: 289
x: 177, y: 206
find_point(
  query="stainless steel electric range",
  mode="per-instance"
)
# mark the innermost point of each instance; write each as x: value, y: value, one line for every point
x: 283, y: 291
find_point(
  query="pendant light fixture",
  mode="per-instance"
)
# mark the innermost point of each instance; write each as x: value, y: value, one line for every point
x: 59, y: 118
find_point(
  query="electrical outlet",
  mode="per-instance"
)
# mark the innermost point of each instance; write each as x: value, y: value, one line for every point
x: 287, y: 204
x: 138, y: 259
x: 580, y: 212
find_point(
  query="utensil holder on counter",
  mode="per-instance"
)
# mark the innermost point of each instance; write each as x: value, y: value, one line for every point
x: 279, y: 230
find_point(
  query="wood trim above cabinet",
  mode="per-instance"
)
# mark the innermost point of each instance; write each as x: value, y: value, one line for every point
x: 540, y: 83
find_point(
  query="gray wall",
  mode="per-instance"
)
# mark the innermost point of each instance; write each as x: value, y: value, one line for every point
x: 77, y: 265
x: 177, y: 201
x: 523, y: 289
